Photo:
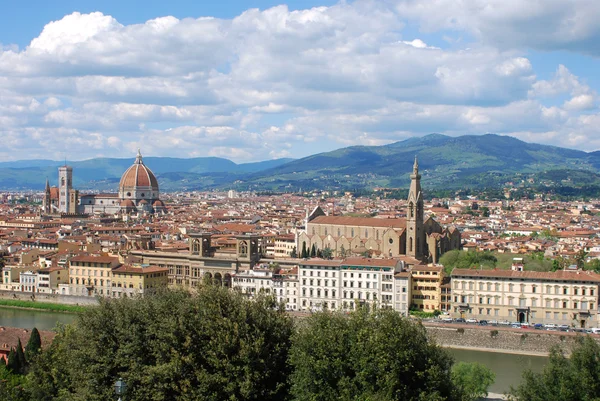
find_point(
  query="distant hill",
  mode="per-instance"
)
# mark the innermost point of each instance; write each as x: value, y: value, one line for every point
x: 449, y: 162
x: 470, y: 161
x: 105, y: 173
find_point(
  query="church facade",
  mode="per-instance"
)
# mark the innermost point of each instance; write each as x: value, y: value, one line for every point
x: 138, y: 193
x: 424, y: 240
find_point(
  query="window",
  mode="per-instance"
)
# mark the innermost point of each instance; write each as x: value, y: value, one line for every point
x: 565, y: 291
x: 533, y: 289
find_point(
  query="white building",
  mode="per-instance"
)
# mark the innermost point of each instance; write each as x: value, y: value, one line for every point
x: 340, y: 284
x: 28, y: 281
x: 282, y: 284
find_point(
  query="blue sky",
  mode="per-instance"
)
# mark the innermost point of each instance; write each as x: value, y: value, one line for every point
x: 81, y: 79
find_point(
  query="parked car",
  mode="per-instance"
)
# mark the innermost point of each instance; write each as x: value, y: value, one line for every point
x: 550, y: 326
x: 504, y: 323
x: 538, y: 326
x: 483, y: 322
x: 516, y: 325
x: 471, y: 320
x: 595, y: 330
x: 493, y: 323
x: 563, y: 327
x: 460, y: 320
x: 446, y: 320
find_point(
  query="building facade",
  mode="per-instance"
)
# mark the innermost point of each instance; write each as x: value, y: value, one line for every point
x: 423, y: 239
x: 345, y: 284
x: 561, y: 297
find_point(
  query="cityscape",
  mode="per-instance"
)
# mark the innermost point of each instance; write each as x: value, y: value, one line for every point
x: 353, y: 200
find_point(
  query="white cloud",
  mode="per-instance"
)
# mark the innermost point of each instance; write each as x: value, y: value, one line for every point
x: 277, y: 82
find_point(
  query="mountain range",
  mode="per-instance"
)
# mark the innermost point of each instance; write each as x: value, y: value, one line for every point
x: 469, y: 161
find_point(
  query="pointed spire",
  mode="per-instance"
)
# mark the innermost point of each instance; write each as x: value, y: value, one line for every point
x: 138, y: 159
x: 416, y: 166
x: 47, y: 185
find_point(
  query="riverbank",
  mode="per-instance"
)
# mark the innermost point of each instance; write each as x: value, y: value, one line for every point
x: 44, y: 306
x: 499, y: 351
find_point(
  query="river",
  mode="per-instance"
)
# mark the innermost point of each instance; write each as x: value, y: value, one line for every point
x: 507, y: 367
x: 30, y: 318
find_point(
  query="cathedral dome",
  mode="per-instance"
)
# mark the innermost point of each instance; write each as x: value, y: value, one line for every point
x: 138, y: 182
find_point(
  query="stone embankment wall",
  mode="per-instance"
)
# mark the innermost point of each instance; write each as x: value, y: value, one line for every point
x: 500, y: 339
x: 49, y: 298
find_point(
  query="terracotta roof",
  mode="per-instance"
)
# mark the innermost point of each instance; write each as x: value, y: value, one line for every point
x: 369, y: 262
x: 94, y: 259
x: 359, y: 221
x: 561, y: 275
x: 138, y: 175
x: 128, y: 269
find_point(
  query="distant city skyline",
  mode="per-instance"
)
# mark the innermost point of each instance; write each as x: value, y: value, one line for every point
x: 259, y: 80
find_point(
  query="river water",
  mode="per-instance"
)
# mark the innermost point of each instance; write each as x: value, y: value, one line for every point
x: 30, y: 318
x: 507, y: 367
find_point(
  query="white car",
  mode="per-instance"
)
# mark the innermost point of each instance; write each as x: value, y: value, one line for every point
x: 471, y: 320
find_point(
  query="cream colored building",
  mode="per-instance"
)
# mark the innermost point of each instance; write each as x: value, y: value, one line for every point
x: 562, y: 297
x: 426, y: 287
x: 91, y: 275
x: 132, y: 280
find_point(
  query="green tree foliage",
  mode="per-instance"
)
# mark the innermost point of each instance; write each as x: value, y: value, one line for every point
x: 368, y: 355
x: 12, y: 386
x: 304, y: 253
x: 327, y: 253
x: 472, y: 379
x: 593, y: 265
x: 214, y: 345
x: 575, y: 379
x: 465, y: 260
x: 12, y: 362
x: 294, y: 253
x: 20, y: 355
x: 313, y: 251
x: 34, y: 345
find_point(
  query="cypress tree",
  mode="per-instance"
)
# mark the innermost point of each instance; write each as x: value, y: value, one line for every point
x: 313, y: 251
x: 34, y: 345
x: 20, y: 357
x: 304, y: 253
x: 12, y: 363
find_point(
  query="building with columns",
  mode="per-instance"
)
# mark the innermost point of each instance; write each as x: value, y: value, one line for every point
x: 423, y: 239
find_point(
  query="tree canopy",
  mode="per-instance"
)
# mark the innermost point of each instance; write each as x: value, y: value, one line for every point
x: 213, y: 345
x: 368, y: 355
x: 575, y: 379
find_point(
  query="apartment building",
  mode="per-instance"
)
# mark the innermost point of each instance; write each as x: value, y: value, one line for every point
x: 426, y: 287
x: 91, y: 275
x: 132, y: 280
x: 282, y: 284
x: 342, y: 284
x: 402, y: 291
x: 562, y: 297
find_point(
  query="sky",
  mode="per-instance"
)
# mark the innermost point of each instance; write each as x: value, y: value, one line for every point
x: 258, y: 80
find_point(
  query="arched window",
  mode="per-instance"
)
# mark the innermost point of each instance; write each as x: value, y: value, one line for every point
x: 410, y: 244
x: 411, y: 210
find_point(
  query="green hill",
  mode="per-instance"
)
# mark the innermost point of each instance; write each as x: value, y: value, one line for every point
x: 470, y: 161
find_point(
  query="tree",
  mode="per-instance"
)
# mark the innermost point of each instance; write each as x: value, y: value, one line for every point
x: 12, y: 362
x: 580, y: 258
x: 304, y: 253
x: 327, y: 253
x: 22, y: 362
x: 368, y: 355
x: 473, y: 380
x: 294, y: 253
x: 34, y: 345
x: 576, y: 378
x: 313, y: 251
x: 214, y: 344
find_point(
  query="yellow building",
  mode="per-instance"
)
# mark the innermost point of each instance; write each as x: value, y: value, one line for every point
x: 131, y: 280
x: 91, y: 275
x: 426, y: 287
x: 562, y: 297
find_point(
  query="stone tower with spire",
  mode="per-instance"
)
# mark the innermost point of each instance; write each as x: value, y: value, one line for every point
x: 415, y: 234
x: 47, y: 203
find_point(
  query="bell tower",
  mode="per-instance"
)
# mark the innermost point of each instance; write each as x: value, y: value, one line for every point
x: 65, y: 184
x: 415, y: 234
